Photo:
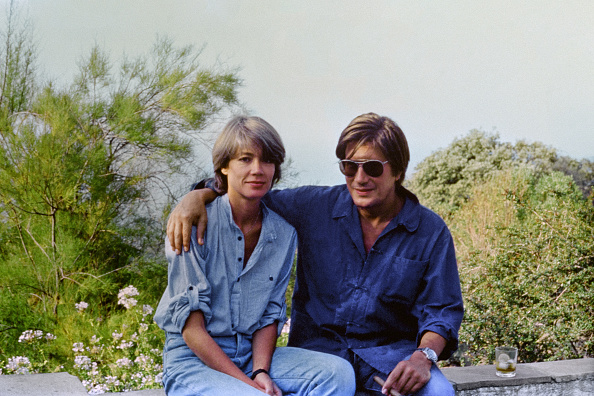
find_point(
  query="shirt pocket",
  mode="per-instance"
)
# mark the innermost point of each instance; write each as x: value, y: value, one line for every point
x: 401, y: 280
x: 257, y: 296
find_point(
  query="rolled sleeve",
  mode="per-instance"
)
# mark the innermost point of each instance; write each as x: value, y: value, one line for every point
x: 182, y: 305
x: 276, y: 310
x: 187, y: 290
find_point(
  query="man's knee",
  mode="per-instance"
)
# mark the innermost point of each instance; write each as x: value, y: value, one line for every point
x: 438, y: 385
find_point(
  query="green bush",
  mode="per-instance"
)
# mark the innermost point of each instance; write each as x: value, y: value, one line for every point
x: 526, y: 258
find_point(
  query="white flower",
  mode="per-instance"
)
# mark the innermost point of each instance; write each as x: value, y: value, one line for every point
x: 124, y: 297
x: 94, y: 369
x: 128, y: 291
x: 144, y: 361
x: 143, y: 327
x: 94, y: 340
x: 18, y: 365
x: 81, y: 306
x: 112, y: 380
x: 50, y: 337
x: 147, y: 310
x: 125, y: 345
x: 82, y: 362
x: 98, y: 389
x: 116, y: 336
x: 78, y: 347
x: 124, y: 362
x: 29, y: 336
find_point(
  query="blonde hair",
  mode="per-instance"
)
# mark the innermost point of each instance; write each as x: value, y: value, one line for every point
x: 244, y: 132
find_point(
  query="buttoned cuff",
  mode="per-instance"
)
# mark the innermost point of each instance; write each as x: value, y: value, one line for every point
x: 188, y: 302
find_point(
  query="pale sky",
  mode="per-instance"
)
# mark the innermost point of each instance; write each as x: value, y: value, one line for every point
x: 438, y: 68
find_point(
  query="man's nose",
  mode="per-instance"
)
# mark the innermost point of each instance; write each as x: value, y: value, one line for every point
x: 361, y: 176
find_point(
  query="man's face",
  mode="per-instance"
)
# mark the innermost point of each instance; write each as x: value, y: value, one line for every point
x: 376, y: 194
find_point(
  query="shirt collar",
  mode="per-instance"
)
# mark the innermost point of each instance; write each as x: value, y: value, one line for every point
x: 268, y: 232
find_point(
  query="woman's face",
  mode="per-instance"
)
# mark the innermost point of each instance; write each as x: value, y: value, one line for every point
x: 248, y: 176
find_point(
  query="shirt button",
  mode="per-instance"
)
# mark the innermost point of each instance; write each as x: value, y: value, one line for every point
x: 238, y: 279
x: 191, y: 287
x: 239, y: 259
x: 239, y: 238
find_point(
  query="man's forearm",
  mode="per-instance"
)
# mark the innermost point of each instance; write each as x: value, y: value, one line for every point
x: 434, y: 341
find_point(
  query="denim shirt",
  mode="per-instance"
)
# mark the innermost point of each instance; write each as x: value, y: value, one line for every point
x: 377, y: 304
x: 211, y: 278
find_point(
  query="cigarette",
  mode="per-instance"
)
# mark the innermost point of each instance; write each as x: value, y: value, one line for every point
x: 381, y: 382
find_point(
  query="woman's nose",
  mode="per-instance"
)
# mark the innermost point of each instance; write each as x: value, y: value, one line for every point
x: 256, y: 166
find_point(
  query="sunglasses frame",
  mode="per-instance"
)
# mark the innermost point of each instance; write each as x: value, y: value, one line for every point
x: 360, y: 164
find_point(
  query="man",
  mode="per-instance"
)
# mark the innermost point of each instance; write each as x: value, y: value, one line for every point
x: 377, y: 280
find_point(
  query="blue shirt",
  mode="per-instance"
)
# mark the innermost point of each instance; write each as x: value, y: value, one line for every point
x: 376, y: 305
x: 211, y: 278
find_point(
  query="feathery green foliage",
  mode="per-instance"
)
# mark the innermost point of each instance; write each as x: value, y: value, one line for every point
x: 80, y: 168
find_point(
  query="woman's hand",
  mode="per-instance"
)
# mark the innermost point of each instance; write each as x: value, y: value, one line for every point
x: 267, y: 385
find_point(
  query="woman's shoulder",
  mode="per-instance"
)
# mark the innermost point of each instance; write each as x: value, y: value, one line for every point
x: 278, y: 222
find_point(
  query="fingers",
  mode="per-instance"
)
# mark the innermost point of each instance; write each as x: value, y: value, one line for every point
x: 173, y: 228
x: 177, y: 236
x: 200, y: 229
x: 406, y: 378
x: 267, y: 385
x: 385, y: 391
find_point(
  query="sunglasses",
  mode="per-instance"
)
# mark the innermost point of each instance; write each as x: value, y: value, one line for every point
x: 373, y: 168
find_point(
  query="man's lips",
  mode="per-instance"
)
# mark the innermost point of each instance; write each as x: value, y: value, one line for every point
x: 363, y: 191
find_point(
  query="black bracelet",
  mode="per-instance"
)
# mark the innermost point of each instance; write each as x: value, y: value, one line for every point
x: 259, y: 371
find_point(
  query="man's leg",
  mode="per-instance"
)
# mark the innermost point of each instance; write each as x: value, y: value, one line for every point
x: 438, y: 385
x: 299, y: 371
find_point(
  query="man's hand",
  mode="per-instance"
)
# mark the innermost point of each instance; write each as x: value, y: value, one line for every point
x: 409, y: 375
x: 267, y: 385
x: 190, y: 211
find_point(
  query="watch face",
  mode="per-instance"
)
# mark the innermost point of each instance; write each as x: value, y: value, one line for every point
x: 430, y: 353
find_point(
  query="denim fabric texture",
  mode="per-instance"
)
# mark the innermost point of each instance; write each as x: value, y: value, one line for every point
x: 296, y: 371
x: 211, y: 278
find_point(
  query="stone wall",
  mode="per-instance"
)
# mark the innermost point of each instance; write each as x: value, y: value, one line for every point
x: 564, y: 377
x: 561, y: 378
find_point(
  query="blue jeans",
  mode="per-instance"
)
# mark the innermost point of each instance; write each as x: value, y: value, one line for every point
x: 295, y: 371
x: 438, y: 385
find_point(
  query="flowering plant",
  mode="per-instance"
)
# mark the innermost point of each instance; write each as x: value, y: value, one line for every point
x: 120, y: 354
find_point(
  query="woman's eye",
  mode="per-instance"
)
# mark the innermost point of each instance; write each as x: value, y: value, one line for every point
x: 244, y: 159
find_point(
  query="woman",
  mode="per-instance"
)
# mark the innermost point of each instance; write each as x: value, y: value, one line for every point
x: 224, y: 304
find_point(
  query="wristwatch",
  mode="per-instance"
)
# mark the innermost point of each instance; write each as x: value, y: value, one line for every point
x: 429, y: 353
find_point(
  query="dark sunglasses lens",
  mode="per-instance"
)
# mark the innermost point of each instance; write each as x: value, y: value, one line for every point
x: 348, y: 168
x: 373, y: 168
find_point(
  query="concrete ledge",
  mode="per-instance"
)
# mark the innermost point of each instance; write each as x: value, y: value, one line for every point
x: 55, y: 384
x: 564, y: 377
